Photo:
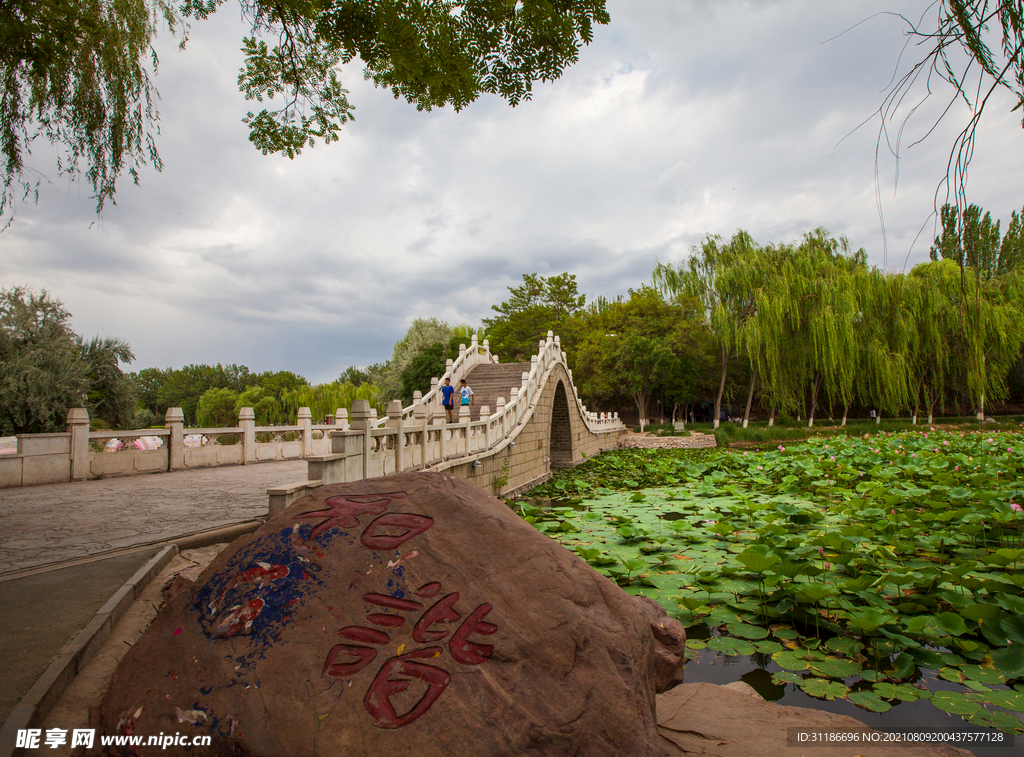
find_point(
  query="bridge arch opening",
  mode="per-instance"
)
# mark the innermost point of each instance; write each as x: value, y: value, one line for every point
x: 561, y: 430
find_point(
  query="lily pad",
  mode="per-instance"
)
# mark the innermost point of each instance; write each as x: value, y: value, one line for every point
x: 1007, y: 699
x: 785, y: 633
x: 983, y: 674
x: 844, y: 645
x: 790, y: 661
x: 870, y: 701
x: 955, y: 703
x: 1003, y: 721
x: 824, y: 689
x: 835, y: 668
x: 1009, y: 660
x: 767, y: 646
x: 747, y: 631
x: 785, y: 676
x: 730, y: 646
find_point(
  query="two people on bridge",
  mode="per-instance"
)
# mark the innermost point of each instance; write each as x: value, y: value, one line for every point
x: 447, y: 396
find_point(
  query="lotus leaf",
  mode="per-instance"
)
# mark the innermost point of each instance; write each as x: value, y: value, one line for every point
x: 844, y: 645
x: 870, y: 701
x: 1009, y: 661
x: 790, y: 661
x: 785, y: 632
x: 976, y: 685
x: 998, y: 719
x: 955, y: 703
x: 1011, y: 602
x: 835, y: 668
x: 823, y: 689
x: 785, y: 676
x: 1013, y: 627
x: 980, y: 613
x: 951, y: 623
x: 953, y: 675
x: 729, y: 646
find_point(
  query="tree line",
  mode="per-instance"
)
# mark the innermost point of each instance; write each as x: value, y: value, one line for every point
x: 795, y: 329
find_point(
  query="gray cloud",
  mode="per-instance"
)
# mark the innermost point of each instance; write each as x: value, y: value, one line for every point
x: 681, y: 119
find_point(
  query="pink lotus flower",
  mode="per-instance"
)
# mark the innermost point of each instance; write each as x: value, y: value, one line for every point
x: 1015, y: 507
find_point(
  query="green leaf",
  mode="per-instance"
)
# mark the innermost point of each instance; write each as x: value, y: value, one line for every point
x: 835, y: 668
x: 823, y: 689
x: 951, y: 622
x: 997, y: 719
x: 790, y: 661
x: 784, y: 676
x: 1008, y: 700
x: 869, y: 700
x: 747, y: 631
x: 980, y: 613
x: 954, y: 703
x: 844, y: 645
x: 732, y: 647
x: 1013, y: 627
x: 756, y: 561
x: 1009, y: 660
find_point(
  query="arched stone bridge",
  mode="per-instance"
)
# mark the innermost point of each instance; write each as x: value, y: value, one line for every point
x: 526, y: 420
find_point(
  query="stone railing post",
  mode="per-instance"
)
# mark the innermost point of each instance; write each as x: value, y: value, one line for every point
x: 487, y: 349
x: 247, y: 420
x: 341, y: 419
x: 464, y: 416
x: 305, y: 418
x: 362, y: 420
x: 174, y: 420
x: 485, y: 416
x: 419, y: 420
x: 395, y: 421
x: 500, y: 410
x: 338, y: 444
x: 78, y: 425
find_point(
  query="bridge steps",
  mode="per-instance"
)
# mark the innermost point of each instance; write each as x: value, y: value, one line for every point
x: 489, y: 382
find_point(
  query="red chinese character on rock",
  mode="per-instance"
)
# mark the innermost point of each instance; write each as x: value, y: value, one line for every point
x: 344, y: 511
x: 363, y: 657
x: 378, y: 698
x: 414, y: 525
x: 466, y: 651
x: 441, y: 612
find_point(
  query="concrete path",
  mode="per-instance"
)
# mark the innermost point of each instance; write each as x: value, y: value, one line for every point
x: 59, y: 522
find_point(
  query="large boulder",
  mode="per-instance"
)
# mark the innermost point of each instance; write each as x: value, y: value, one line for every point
x: 412, y: 614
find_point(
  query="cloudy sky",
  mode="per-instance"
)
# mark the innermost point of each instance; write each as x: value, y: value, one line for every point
x: 683, y: 118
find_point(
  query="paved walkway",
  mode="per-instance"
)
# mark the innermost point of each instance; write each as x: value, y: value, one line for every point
x: 60, y: 522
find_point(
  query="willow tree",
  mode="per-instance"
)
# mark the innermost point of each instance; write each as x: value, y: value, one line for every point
x: 883, y: 331
x: 821, y: 279
x: 721, y: 277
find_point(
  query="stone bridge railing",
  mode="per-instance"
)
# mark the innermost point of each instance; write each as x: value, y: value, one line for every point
x: 419, y: 438
x: 79, y: 454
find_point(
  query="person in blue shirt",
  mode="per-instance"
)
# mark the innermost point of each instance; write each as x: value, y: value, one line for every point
x: 447, y: 392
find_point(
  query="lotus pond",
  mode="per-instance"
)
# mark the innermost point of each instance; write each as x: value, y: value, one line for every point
x: 880, y: 570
